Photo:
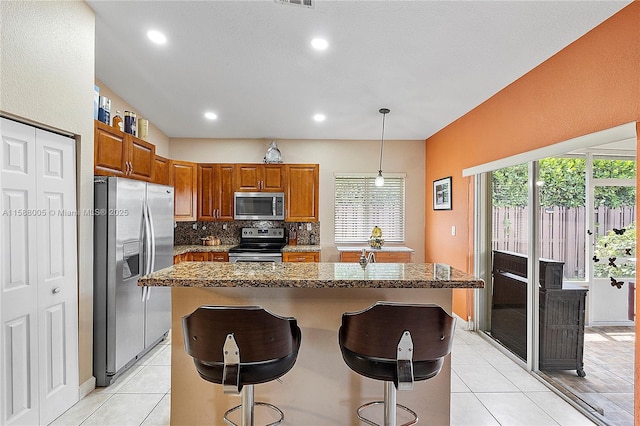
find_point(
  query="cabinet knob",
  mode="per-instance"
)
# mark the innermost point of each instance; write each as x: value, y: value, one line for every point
x: 56, y: 290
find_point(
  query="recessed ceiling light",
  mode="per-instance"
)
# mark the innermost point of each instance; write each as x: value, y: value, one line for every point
x: 156, y: 37
x: 210, y: 115
x: 319, y: 43
x: 319, y: 117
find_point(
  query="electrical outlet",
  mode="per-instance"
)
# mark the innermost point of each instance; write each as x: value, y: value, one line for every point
x: 195, y: 226
x: 308, y: 227
x: 224, y: 226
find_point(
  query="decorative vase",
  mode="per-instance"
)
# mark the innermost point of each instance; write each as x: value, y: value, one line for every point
x: 273, y: 154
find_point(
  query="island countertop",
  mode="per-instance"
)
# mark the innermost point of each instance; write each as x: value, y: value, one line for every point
x: 311, y: 275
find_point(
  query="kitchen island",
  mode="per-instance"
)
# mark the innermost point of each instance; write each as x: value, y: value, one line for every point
x: 320, y: 389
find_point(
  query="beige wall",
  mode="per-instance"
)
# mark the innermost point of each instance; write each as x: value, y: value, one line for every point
x: 46, y: 78
x: 156, y: 136
x: 334, y: 156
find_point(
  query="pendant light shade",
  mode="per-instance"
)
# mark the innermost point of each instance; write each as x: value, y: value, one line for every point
x: 380, y: 178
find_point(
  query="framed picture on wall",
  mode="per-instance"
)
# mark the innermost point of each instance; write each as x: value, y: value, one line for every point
x: 442, y: 194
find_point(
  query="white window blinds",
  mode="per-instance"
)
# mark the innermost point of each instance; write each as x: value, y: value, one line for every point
x: 360, y: 205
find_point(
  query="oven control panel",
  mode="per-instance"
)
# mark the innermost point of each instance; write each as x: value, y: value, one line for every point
x: 262, y: 232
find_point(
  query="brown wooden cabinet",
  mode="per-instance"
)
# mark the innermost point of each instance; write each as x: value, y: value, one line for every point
x: 302, y: 192
x: 161, y: 173
x: 184, y: 179
x: 121, y: 154
x: 206, y: 256
x: 259, y: 177
x: 301, y: 256
x: 381, y: 256
x: 215, y: 191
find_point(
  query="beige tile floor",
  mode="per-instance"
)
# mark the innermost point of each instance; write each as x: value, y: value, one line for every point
x: 487, y: 388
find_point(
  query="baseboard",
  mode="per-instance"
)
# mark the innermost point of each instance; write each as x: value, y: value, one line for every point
x: 87, y: 387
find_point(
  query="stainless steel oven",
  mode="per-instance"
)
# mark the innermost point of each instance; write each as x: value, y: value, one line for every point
x: 259, y: 245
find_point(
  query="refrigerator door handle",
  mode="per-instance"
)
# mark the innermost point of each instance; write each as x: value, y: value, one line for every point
x: 152, y: 240
x: 144, y: 293
x: 148, y: 241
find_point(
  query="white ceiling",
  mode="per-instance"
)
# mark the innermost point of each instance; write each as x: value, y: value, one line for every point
x: 251, y: 62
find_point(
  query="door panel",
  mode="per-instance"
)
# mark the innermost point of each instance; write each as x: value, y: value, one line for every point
x: 158, y: 306
x: 19, y: 291
x: 57, y: 277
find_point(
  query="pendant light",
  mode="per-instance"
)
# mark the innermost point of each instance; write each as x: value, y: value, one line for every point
x: 380, y: 178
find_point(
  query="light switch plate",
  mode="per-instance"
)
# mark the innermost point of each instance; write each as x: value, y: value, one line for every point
x: 453, y: 230
x: 308, y: 227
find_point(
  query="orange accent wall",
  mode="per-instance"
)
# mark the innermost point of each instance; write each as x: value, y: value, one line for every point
x: 591, y: 85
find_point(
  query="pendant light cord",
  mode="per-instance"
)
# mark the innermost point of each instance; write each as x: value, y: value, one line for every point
x: 384, y: 114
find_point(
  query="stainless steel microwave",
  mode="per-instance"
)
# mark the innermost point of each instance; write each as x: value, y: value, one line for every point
x: 258, y: 206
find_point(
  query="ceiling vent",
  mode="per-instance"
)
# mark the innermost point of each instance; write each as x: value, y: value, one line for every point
x: 305, y: 3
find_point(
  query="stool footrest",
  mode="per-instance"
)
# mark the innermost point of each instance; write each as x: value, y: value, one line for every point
x: 264, y: 404
x: 371, y: 404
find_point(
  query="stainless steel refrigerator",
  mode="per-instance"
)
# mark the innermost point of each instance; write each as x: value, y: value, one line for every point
x: 133, y: 236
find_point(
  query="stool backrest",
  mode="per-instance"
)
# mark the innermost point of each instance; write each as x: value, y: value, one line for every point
x: 376, y: 331
x: 260, y: 335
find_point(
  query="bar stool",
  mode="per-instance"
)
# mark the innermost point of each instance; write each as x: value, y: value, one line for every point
x: 398, y: 344
x: 239, y: 347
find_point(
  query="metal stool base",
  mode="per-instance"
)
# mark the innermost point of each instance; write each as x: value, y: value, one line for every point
x: 264, y: 404
x: 370, y: 422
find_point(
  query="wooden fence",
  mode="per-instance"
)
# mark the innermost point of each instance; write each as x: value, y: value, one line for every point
x: 563, y: 234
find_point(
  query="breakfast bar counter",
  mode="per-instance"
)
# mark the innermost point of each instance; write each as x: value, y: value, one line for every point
x: 320, y: 389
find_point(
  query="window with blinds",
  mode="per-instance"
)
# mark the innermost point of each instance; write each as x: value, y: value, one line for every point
x: 360, y: 205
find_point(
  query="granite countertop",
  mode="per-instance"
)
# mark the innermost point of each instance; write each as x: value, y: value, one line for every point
x: 199, y: 248
x: 311, y: 275
x: 301, y: 248
x: 366, y: 246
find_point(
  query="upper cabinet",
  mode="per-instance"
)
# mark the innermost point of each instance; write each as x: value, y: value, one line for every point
x: 161, y: 173
x: 121, y: 154
x: 184, y: 179
x: 302, y: 192
x: 215, y: 191
x: 259, y: 177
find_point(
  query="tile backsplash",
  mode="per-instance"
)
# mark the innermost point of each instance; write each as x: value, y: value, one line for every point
x: 187, y: 233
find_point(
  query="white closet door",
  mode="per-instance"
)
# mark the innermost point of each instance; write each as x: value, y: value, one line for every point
x: 19, y: 289
x: 38, y: 294
x: 57, y: 274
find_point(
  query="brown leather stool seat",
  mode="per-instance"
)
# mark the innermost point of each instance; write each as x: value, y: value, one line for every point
x: 398, y: 344
x: 241, y: 346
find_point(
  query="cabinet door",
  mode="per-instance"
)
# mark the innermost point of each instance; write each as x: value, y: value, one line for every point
x: 302, y: 192
x: 272, y: 179
x: 349, y: 256
x: 206, y: 192
x: 260, y: 177
x: 141, y: 157
x: 301, y: 257
x: 109, y: 151
x: 200, y: 257
x: 225, y: 183
x: 380, y: 256
x: 248, y: 177
x: 215, y: 191
x: 184, y: 179
x: 161, y: 171
x: 393, y: 257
